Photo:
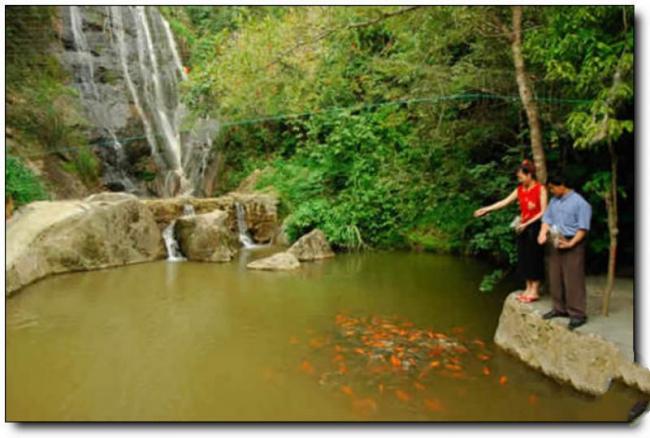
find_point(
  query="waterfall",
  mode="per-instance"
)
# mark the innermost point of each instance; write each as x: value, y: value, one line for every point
x: 136, y: 47
x: 244, y: 237
x: 174, y: 253
x: 90, y: 95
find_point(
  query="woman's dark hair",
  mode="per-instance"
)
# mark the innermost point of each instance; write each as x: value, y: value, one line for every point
x: 527, y: 168
x: 557, y: 179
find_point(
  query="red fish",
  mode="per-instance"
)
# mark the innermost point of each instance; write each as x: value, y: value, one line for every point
x: 316, y: 342
x: 419, y: 386
x: 503, y: 380
x: 394, y: 360
x: 433, y: 405
x: 483, y: 357
x: 402, y: 395
x: 453, y: 367
x: 364, y: 406
x: 486, y: 371
x: 533, y: 399
x: 345, y: 389
x: 307, y: 367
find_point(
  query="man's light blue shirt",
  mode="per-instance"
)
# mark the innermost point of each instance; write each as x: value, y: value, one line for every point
x: 569, y: 213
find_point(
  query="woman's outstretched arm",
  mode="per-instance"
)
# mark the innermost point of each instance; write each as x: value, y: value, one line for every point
x: 512, y: 197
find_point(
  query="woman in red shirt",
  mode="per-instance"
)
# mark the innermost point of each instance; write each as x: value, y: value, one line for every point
x: 533, y: 199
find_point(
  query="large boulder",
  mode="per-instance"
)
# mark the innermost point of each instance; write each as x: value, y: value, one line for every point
x: 206, y: 237
x: 312, y: 246
x: 282, y: 261
x: 52, y: 237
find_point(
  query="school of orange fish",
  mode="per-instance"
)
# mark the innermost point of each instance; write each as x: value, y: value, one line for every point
x: 370, y: 359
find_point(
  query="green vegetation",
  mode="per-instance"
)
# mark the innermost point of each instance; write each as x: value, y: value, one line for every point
x: 21, y: 184
x: 305, y: 94
x: 42, y: 109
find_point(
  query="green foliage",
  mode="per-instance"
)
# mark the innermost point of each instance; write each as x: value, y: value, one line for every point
x: 42, y: 110
x: 85, y: 164
x: 399, y: 175
x: 491, y: 280
x: 21, y: 183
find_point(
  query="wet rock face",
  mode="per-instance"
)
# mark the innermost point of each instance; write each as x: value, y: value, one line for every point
x: 282, y: 261
x: 206, y: 237
x: 45, y: 238
x: 260, y: 210
x: 312, y: 246
x: 124, y: 64
x: 585, y: 360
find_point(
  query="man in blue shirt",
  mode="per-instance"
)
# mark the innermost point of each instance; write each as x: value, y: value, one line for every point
x: 567, y: 219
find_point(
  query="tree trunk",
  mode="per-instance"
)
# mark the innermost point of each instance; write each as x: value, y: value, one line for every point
x: 611, y: 204
x: 526, y: 94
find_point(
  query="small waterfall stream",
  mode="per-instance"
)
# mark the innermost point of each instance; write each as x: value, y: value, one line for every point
x: 174, y: 253
x: 244, y: 237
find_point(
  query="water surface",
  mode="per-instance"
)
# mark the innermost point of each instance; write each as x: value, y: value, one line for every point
x: 212, y: 342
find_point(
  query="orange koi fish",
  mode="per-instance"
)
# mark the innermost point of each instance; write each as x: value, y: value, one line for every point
x: 402, y: 395
x: 503, y: 380
x: 364, y: 406
x: 453, y: 367
x: 307, y: 367
x: 433, y: 405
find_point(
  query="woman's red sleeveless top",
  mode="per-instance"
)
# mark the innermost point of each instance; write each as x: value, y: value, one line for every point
x: 530, y: 201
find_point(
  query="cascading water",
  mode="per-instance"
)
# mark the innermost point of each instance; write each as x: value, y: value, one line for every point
x: 174, y: 253
x: 244, y: 237
x: 136, y: 46
x: 89, y: 93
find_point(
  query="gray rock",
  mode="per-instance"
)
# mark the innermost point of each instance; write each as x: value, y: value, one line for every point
x: 260, y: 210
x: 587, y: 361
x: 206, y: 237
x: 110, y: 197
x: 46, y: 238
x: 312, y: 246
x: 282, y: 261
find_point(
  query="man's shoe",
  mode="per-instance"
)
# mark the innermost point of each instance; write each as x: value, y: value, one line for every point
x: 574, y: 323
x: 554, y: 314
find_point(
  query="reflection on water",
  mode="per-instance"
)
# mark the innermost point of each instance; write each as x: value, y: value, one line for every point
x: 203, y: 341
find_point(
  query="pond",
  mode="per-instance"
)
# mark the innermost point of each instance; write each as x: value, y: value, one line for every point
x: 372, y: 337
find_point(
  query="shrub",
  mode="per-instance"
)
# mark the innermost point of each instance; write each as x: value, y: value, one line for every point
x: 21, y: 183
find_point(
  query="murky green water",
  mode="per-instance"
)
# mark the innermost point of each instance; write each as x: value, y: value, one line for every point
x: 213, y: 342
